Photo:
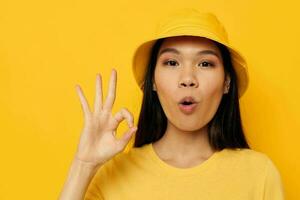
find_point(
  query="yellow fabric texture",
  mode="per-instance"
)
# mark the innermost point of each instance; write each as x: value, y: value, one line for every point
x: 139, y: 174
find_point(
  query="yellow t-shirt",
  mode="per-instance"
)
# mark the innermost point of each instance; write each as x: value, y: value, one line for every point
x: 139, y: 174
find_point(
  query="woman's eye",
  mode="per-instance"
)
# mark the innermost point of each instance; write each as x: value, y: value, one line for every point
x: 207, y: 63
x: 172, y: 62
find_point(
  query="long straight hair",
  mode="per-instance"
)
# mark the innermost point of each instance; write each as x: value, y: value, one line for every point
x: 225, y: 128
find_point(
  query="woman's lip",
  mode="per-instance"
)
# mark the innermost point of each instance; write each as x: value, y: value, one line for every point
x: 187, y: 109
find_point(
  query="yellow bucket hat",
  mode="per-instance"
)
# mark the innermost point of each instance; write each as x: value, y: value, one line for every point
x: 190, y: 21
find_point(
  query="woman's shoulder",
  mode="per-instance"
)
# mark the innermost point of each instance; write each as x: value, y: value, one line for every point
x: 248, y: 159
x: 247, y: 154
x: 254, y: 163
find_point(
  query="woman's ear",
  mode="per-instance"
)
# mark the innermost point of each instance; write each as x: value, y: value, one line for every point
x: 154, y: 87
x: 227, y: 84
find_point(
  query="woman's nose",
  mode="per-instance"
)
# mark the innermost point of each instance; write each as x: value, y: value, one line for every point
x: 188, y: 83
x: 188, y: 79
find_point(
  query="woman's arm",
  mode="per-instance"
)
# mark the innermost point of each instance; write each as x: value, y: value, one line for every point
x: 98, y: 142
x: 79, y: 177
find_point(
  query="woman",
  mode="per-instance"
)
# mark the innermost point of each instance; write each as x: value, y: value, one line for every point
x: 189, y: 143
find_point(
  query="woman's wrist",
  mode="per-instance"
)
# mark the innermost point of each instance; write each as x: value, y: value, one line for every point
x: 85, y: 164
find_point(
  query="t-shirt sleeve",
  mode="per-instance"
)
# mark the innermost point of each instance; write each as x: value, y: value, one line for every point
x: 273, y: 187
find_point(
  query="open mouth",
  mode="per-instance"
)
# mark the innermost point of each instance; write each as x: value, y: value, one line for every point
x: 187, y: 107
x: 187, y: 103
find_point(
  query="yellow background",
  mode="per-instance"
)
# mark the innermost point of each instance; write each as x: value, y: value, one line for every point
x: 46, y: 47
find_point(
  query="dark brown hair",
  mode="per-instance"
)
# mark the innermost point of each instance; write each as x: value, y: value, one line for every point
x: 224, y: 130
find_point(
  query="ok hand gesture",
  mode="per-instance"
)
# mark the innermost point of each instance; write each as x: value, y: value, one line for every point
x: 98, y: 142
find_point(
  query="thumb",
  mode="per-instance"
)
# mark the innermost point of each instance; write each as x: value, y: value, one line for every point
x: 127, y: 136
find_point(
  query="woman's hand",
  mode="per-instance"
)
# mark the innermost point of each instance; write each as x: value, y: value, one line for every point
x: 98, y: 142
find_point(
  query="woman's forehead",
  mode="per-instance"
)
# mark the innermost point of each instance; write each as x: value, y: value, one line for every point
x: 188, y: 44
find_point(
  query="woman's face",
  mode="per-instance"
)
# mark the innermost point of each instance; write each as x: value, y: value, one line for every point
x: 189, y: 66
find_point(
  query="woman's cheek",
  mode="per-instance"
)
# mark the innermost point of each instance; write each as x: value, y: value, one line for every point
x: 166, y: 90
x: 163, y: 80
x: 212, y: 96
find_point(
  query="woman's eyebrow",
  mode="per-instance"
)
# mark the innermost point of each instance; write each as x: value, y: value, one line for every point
x: 173, y: 50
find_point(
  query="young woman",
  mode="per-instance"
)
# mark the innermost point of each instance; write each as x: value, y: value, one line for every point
x: 189, y: 141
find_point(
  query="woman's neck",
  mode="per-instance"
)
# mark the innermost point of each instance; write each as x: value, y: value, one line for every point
x: 183, y: 146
